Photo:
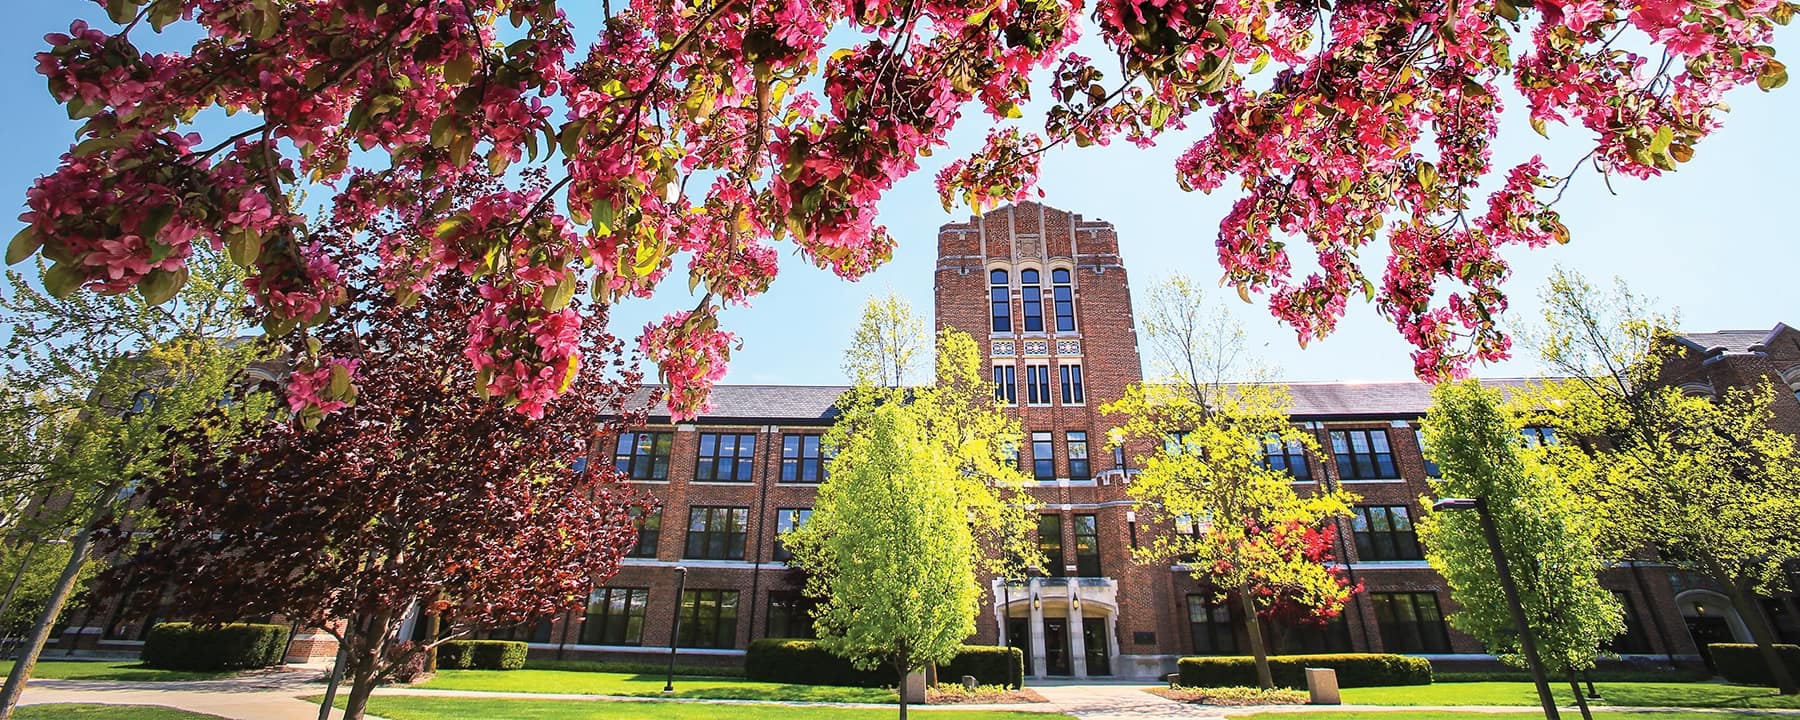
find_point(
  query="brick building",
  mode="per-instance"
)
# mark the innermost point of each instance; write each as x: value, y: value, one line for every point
x: 1045, y: 292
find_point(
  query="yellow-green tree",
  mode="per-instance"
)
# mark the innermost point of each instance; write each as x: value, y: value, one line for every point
x: 1548, y: 532
x: 1703, y: 482
x: 889, y: 343
x: 1209, y: 467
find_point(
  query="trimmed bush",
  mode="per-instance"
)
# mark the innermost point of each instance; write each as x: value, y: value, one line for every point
x: 186, y: 646
x: 803, y: 662
x: 1741, y: 663
x: 1353, y: 670
x: 481, y: 655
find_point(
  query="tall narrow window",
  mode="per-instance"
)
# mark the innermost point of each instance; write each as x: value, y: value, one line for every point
x: 716, y: 533
x: 1037, y: 384
x: 1119, y: 457
x: 649, y: 531
x: 787, y: 520
x: 1050, y: 543
x: 1043, y: 463
x: 615, y: 616
x: 1363, y: 454
x: 708, y: 619
x: 1209, y: 623
x: 1385, y: 532
x: 1006, y: 385
x: 1032, y: 293
x: 1062, y: 293
x: 1411, y: 622
x: 1287, y: 455
x: 1072, y: 393
x: 802, y: 459
x: 1078, y: 456
x: 1431, y: 466
x: 1087, y: 546
x: 725, y: 457
x: 790, y: 615
x: 1000, y: 300
x: 643, y: 455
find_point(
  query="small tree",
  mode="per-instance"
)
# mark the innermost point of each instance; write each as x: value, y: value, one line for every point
x: 889, y: 343
x: 1705, y: 482
x: 1549, y: 535
x: 1249, y: 537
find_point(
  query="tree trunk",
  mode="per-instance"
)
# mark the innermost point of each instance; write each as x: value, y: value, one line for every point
x: 13, y: 588
x: 1263, y: 677
x: 904, y: 663
x: 46, y: 621
x: 1580, y: 700
x: 367, y: 661
x: 1759, y: 631
x: 431, y: 633
x: 337, y: 675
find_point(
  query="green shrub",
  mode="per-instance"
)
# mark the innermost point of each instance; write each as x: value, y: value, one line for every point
x: 803, y: 662
x: 481, y: 655
x: 1353, y: 670
x: 1741, y: 663
x: 186, y: 646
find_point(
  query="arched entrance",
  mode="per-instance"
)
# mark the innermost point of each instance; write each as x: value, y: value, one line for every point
x: 1711, y: 619
x: 1063, y: 627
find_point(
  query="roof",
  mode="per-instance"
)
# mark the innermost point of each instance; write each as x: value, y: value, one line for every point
x: 1388, y: 398
x: 780, y: 404
x: 1734, y: 341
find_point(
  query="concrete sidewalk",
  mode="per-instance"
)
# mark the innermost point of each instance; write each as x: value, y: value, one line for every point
x: 266, y: 695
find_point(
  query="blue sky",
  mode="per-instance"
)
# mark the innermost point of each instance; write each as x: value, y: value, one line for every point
x: 1715, y: 240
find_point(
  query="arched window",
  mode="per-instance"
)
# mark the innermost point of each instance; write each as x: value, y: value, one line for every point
x: 1063, y: 295
x: 999, y: 299
x: 1033, y: 292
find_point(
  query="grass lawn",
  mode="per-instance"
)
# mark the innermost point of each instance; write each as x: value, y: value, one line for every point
x: 1405, y: 715
x: 434, y: 708
x: 105, y: 712
x: 132, y: 671
x: 646, y: 685
x: 1631, y: 694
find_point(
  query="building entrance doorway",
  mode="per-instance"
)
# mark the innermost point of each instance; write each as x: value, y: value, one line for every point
x: 1093, y: 635
x: 1018, y: 635
x: 1056, y: 647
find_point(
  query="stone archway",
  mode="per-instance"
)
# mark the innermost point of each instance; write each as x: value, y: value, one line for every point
x: 1710, y: 618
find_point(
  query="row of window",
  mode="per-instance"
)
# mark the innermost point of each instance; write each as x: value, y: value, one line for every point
x: 1087, y: 545
x: 1409, y: 622
x: 722, y: 457
x: 615, y: 616
x: 1038, y: 384
x: 1043, y: 458
x: 716, y: 533
x: 1031, y: 291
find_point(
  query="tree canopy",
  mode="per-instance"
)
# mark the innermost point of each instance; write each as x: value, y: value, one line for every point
x: 715, y: 129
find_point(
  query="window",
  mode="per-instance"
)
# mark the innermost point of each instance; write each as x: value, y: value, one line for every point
x: 1289, y: 455
x: 1209, y: 622
x: 1119, y: 457
x: 1063, y: 295
x: 788, y: 519
x: 1000, y: 300
x: 1006, y: 385
x: 1071, y: 384
x: 1033, y: 295
x: 643, y: 455
x: 716, y: 533
x: 790, y: 615
x: 1037, y: 384
x: 1633, y: 640
x: 1538, y: 436
x: 615, y: 616
x: 1307, y: 638
x: 649, y: 532
x: 1043, y: 463
x: 531, y: 631
x: 802, y: 459
x: 1362, y: 454
x: 1385, y: 532
x: 708, y: 619
x: 1087, y: 546
x: 726, y: 457
x: 1411, y: 622
x: 1050, y: 543
x: 1431, y: 466
x: 1078, y: 456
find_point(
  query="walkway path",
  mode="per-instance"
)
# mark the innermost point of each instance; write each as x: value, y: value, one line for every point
x: 276, y: 695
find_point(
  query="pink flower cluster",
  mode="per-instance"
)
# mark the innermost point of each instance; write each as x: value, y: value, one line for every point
x: 322, y: 386
x: 692, y: 354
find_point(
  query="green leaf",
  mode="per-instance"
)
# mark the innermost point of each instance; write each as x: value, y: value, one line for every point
x: 1659, y: 143
x: 160, y: 286
x: 603, y: 217
x: 121, y: 11
x: 155, y: 220
x: 1773, y: 75
x: 1507, y: 10
x: 1428, y: 176
x: 23, y: 245
x: 645, y: 259
x: 557, y: 297
x: 62, y: 279
x: 340, y: 381
x: 459, y: 70
x: 244, y: 247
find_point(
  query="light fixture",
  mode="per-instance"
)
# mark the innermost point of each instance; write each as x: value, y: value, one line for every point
x: 1075, y: 604
x: 1036, y: 604
x: 1699, y: 610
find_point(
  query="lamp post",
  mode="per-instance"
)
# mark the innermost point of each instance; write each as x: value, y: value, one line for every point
x: 1527, y: 643
x: 675, y: 628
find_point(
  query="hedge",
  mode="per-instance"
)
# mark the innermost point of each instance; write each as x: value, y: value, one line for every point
x: 481, y: 655
x: 1741, y: 663
x: 1353, y: 670
x: 186, y: 646
x: 803, y: 662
